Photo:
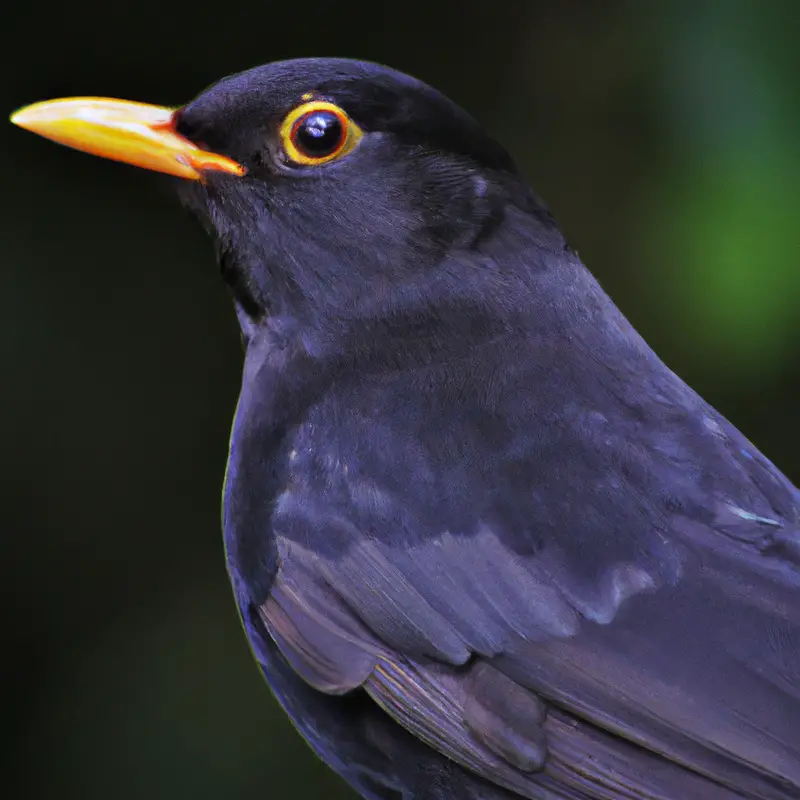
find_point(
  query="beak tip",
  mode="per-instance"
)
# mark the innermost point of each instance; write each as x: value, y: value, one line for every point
x: 18, y: 118
x: 26, y: 117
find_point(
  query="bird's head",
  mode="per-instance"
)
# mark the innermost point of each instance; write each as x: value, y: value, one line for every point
x: 335, y: 190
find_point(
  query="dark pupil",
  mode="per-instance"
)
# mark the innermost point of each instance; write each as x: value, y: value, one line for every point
x: 319, y: 133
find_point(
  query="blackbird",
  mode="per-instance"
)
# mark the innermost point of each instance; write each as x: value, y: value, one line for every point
x: 484, y: 543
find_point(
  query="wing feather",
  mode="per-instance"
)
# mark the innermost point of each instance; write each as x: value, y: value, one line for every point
x: 607, y: 703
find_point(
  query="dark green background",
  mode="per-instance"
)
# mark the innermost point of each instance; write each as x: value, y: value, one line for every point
x: 664, y: 136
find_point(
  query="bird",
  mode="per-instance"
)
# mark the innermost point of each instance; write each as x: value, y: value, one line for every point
x: 483, y: 542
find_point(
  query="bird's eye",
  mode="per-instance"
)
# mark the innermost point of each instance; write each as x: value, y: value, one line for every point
x: 318, y: 132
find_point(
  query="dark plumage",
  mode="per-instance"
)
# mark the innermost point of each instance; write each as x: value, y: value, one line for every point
x: 484, y: 543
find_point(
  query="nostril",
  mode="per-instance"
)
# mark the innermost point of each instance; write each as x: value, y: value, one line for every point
x: 183, y: 125
x: 198, y: 133
x: 179, y: 121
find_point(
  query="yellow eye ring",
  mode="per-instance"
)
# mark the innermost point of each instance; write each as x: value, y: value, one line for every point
x: 317, y: 132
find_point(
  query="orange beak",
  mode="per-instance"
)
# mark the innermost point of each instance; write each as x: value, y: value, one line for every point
x: 134, y: 133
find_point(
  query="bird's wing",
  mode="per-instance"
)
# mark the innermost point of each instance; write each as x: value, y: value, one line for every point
x: 671, y: 671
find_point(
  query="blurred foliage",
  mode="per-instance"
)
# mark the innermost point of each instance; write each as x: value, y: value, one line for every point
x: 664, y: 136
x: 730, y: 205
